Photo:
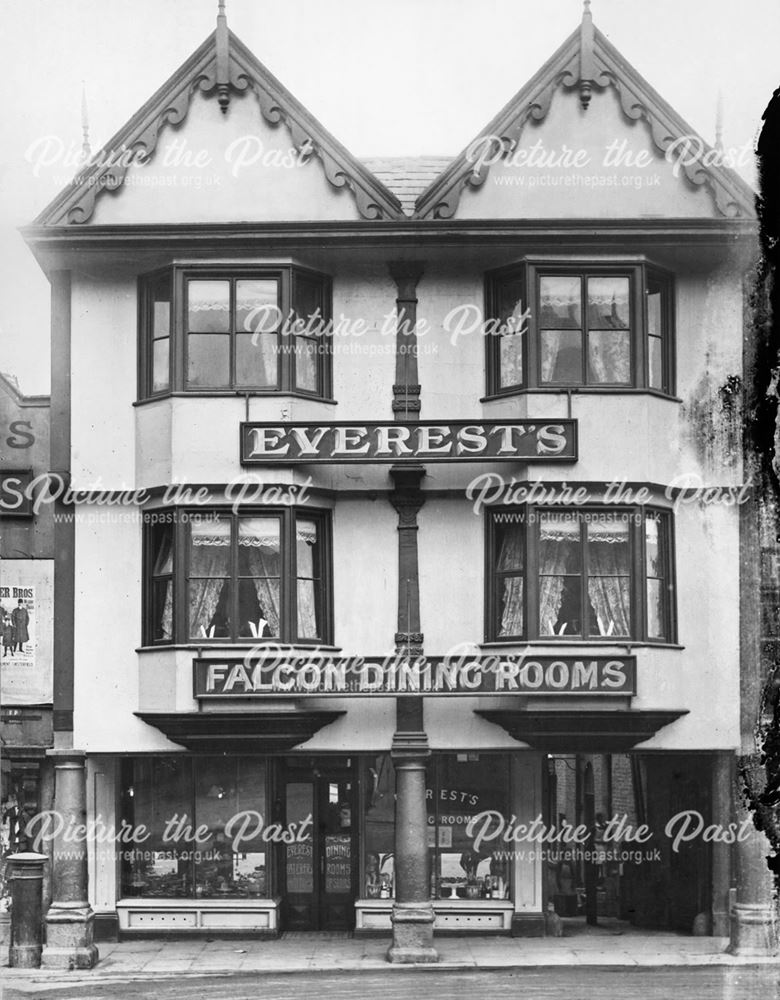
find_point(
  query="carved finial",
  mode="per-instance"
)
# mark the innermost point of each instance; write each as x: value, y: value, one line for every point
x: 223, y: 76
x: 587, y: 64
x: 86, y: 149
x: 719, y: 122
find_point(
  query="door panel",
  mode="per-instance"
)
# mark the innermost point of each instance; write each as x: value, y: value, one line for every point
x: 320, y: 873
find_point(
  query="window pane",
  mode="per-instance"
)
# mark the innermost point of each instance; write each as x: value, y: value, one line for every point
x: 155, y: 790
x: 306, y: 358
x: 161, y: 311
x: 308, y: 559
x: 511, y: 606
x: 463, y: 867
x: 560, y: 597
x: 561, y: 354
x: 299, y: 857
x: 609, y: 356
x: 208, y: 306
x: 654, y: 314
x: 511, y: 359
x: 308, y: 609
x: 258, y: 608
x: 656, y: 610
x: 608, y: 303
x: 208, y: 360
x: 509, y: 546
x: 161, y: 629
x: 656, y: 362
x: 161, y: 350
x: 256, y: 362
x: 653, y: 556
x: 560, y: 302
x: 379, y: 826
x: 209, y: 608
x: 307, y: 548
x: 608, y: 542
x: 259, y: 546
x: 308, y: 297
x: 610, y: 604
x: 257, y: 305
x: 210, y: 547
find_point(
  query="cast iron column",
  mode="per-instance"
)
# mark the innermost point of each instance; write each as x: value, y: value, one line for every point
x: 69, y: 922
x: 412, y: 912
x: 26, y: 878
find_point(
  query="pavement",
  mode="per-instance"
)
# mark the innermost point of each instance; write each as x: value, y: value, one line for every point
x: 615, y: 946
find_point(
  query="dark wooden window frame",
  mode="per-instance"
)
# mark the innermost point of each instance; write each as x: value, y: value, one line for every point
x: 641, y: 274
x: 529, y: 518
x: 286, y: 274
x: 288, y: 618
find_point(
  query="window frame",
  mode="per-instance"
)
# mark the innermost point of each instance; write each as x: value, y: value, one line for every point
x: 529, y: 520
x: 180, y: 521
x: 180, y: 274
x: 528, y: 271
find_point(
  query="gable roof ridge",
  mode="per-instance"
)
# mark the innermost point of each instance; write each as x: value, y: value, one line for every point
x: 137, y: 140
x: 138, y: 137
x: 735, y: 196
x: 639, y: 101
x: 440, y: 200
x: 277, y: 105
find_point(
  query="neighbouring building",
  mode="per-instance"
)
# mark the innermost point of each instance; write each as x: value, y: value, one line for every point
x: 26, y: 620
x: 425, y: 526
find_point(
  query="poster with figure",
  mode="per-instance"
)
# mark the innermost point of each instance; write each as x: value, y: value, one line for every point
x: 26, y: 631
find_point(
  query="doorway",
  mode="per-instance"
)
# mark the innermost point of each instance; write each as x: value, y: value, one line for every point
x: 319, y: 873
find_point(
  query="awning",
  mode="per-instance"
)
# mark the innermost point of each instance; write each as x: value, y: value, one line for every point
x: 247, y: 732
x: 570, y: 731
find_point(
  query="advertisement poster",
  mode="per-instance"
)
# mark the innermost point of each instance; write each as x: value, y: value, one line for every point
x: 26, y: 626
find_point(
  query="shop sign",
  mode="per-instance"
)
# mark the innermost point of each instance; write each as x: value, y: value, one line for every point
x: 432, y: 675
x: 423, y: 441
x: 14, y: 490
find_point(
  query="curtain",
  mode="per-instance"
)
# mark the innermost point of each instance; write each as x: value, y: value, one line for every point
x: 307, y: 559
x: 609, y: 356
x: 510, y: 557
x: 609, y: 578
x: 556, y: 540
x: 259, y: 559
x: 209, y: 560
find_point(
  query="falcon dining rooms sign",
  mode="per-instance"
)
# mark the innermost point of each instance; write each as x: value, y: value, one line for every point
x: 423, y: 441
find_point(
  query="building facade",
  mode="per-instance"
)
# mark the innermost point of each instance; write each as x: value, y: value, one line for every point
x: 409, y: 597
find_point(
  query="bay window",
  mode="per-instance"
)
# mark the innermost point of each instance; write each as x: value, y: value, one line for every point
x: 596, y: 574
x: 599, y: 326
x: 227, y: 329
x: 214, y: 576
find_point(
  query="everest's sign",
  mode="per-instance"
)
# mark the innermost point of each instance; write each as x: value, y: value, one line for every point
x: 399, y: 674
x: 422, y: 441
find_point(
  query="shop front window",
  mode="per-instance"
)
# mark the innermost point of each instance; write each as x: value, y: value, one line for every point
x: 199, y: 824
x: 461, y: 790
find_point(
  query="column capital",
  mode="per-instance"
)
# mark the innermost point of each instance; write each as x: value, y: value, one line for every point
x: 406, y: 274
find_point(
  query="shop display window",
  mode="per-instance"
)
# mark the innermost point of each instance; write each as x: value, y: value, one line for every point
x: 459, y: 787
x: 204, y: 817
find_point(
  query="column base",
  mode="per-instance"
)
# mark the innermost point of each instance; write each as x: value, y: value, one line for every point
x: 412, y: 935
x: 24, y: 956
x: 69, y: 939
x: 753, y: 930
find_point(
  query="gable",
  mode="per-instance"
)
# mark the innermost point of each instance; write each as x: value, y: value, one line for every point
x: 587, y: 100
x: 288, y: 167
